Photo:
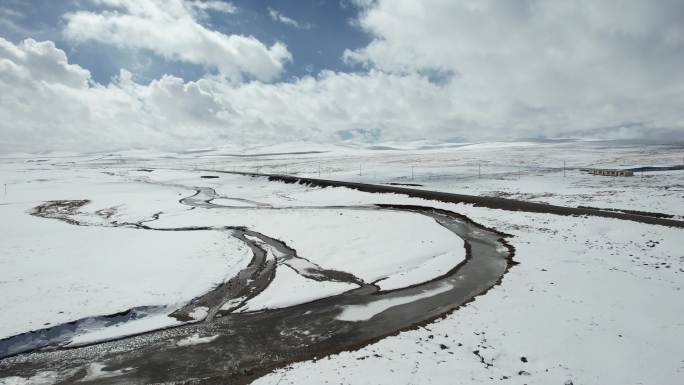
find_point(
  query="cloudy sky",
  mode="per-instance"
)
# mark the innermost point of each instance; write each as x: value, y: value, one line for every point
x: 175, y: 74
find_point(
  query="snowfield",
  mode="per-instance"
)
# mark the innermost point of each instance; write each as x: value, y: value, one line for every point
x: 289, y: 288
x: 370, y: 244
x: 60, y: 272
x: 57, y: 272
x: 367, y: 311
x: 592, y: 300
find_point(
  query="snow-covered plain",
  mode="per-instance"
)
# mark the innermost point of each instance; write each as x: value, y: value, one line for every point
x: 53, y: 272
x: 593, y: 301
x: 59, y: 272
x: 370, y: 244
x: 289, y: 288
x: 367, y: 311
x: 525, y: 170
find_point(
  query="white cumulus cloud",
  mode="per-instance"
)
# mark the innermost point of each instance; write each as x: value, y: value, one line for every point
x: 213, y: 5
x: 540, y: 67
x: 170, y: 28
x: 55, y: 105
x: 436, y: 69
x: 279, y: 17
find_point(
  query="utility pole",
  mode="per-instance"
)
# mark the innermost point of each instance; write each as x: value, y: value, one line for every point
x: 563, y: 169
x: 360, y: 170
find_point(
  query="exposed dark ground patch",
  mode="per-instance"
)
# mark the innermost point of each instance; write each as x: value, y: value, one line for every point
x: 481, y: 201
x: 404, y: 184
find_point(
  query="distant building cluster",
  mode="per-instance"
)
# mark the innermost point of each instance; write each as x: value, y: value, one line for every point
x: 608, y: 172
